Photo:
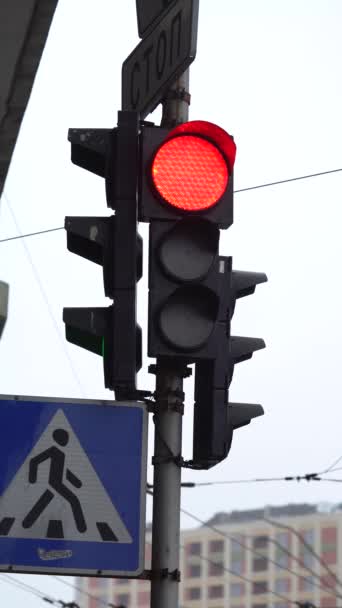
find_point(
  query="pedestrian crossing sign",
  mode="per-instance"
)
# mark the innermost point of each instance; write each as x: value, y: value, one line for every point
x: 72, y: 486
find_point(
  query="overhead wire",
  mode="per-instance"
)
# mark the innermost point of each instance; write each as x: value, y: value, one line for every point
x: 332, y: 467
x: 85, y: 592
x: 306, y: 477
x: 46, y: 597
x: 306, y: 545
x: 285, y: 181
x: 265, y: 185
x: 50, y: 599
x: 257, y: 553
x: 240, y: 576
x: 23, y: 236
x: 45, y: 298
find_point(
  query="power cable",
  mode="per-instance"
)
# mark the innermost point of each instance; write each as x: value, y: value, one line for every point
x: 23, y: 236
x: 307, y: 477
x: 45, y: 298
x: 306, y: 545
x: 90, y: 595
x: 285, y: 181
x: 255, y: 552
x: 49, y: 599
x: 37, y: 592
x: 241, y: 576
x: 332, y: 467
x: 282, y: 181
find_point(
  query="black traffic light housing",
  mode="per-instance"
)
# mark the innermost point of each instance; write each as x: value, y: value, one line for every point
x: 192, y: 288
x: 114, y: 243
x: 188, y: 288
x: 151, y: 205
x: 215, y: 418
x: 188, y: 281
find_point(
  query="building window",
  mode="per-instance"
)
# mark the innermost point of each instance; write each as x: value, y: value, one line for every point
x: 328, y: 602
x: 283, y: 548
x: 101, y: 584
x: 193, y: 570
x: 282, y: 585
x: 123, y: 599
x: 280, y: 605
x: 306, y: 583
x: 216, y: 591
x: 216, y: 568
x: 193, y: 593
x: 260, y: 542
x: 143, y: 598
x: 305, y: 555
x: 237, y: 589
x: 216, y: 546
x: 328, y: 581
x: 259, y: 587
x: 237, y: 555
x: 329, y: 545
x: 193, y: 549
x: 260, y: 564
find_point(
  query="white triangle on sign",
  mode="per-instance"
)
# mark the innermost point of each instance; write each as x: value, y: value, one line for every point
x: 67, y: 501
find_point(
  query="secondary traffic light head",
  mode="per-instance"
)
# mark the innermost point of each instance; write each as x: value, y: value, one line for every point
x: 112, y: 242
x: 215, y: 418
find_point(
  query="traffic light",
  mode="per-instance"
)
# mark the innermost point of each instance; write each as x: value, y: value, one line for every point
x: 215, y: 418
x: 186, y: 194
x: 114, y: 243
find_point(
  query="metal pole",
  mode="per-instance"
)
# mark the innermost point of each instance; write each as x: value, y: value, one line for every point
x: 176, y: 103
x: 168, y: 431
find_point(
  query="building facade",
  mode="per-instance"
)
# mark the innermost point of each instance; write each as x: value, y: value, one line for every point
x: 242, y: 560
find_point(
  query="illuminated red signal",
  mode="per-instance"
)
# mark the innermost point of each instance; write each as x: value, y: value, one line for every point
x: 190, y: 170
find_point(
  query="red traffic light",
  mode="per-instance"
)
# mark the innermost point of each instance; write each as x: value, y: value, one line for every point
x: 191, y: 169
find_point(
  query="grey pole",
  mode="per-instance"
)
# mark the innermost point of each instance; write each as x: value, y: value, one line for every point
x: 168, y: 431
x: 176, y: 103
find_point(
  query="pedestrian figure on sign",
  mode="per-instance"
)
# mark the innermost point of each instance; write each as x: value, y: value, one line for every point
x: 56, y: 482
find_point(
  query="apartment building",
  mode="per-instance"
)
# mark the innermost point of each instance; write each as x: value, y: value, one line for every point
x: 240, y: 560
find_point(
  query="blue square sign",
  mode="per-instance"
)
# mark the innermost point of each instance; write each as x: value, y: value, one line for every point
x: 72, y: 486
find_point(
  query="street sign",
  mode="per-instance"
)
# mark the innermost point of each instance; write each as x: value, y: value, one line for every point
x: 72, y: 485
x: 160, y: 58
x: 148, y: 12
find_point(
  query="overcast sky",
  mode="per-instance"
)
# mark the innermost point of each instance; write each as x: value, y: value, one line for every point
x: 269, y: 73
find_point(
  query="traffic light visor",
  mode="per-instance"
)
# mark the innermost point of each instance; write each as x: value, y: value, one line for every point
x: 190, y: 170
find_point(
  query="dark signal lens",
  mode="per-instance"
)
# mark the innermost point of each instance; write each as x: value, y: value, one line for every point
x: 190, y: 173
